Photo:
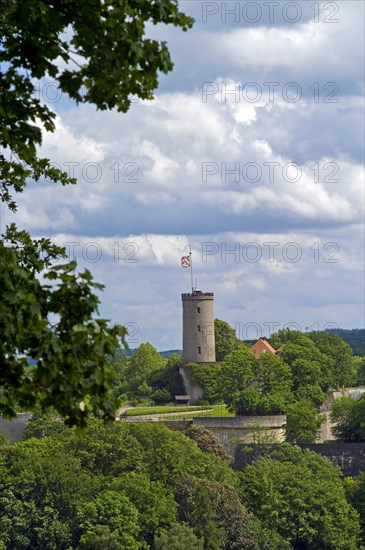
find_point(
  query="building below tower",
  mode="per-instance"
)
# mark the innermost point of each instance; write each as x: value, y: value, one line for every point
x: 198, y: 327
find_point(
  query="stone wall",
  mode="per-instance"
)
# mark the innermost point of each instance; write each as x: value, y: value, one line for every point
x: 177, y: 425
x: 325, y: 432
x: 350, y: 457
x: 247, y: 429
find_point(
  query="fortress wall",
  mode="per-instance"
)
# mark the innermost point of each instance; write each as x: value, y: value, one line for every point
x: 350, y: 457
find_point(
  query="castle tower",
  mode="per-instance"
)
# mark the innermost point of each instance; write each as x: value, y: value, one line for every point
x: 198, y: 327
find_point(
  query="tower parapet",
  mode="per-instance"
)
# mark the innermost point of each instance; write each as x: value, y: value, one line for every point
x: 198, y: 327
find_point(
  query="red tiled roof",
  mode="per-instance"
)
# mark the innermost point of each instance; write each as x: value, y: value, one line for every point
x: 261, y: 346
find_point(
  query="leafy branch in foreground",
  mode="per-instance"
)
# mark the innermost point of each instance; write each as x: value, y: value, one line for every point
x: 107, y: 60
x: 52, y: 324
x: 98, y: 53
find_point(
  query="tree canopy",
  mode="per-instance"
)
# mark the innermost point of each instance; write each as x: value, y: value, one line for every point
x: 355, y: 489
x: 255, y: 386
x: 141, y: 485
x: 303, y: 422
x: 225, y: 339
x: 142, y: 364
x: 236, y: 378
x: 123, y: 486
x: 302, y: 494
x: 348, y: 417
x: 343, y: 370
x: 361, y: 372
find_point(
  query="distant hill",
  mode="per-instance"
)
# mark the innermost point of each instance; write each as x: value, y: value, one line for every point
x: 168, y: 353
x: 355, y: 337
x: 165, y: 354
x: 250, y: 342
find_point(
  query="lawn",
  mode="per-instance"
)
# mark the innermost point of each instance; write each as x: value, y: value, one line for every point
x: 138, y: 411
x: 179, y: 413
x: 220, y: 410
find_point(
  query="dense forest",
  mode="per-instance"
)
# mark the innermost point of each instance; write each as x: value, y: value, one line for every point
x: 129, y: 486
x: 140, y: 486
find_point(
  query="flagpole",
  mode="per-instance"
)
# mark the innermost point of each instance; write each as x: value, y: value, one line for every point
x: 187, y: 261
x: 191, y: 271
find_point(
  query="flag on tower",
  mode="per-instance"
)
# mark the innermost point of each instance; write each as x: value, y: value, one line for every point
x: 185, y: 261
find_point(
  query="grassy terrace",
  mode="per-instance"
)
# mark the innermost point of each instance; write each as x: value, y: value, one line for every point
x: 138, y: 411
x: 180, y: 412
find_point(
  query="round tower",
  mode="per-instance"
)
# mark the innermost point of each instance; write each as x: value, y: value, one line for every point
x: 198, y: 327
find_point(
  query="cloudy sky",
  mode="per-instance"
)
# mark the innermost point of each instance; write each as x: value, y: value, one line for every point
x: 252, y: 153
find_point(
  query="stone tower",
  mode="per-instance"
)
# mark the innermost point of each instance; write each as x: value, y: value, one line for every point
x: 198, y: 327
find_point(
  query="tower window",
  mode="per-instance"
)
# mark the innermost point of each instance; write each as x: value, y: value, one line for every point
x: 199, y: 350
x: 199, y: 328
x: 198, y: 309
